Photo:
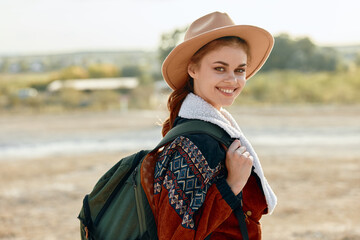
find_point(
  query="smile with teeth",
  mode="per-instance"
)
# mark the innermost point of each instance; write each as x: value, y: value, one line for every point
x: 226, y: 90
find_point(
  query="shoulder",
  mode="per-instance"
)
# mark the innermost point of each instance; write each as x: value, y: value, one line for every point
x: 198, y: 144
x: 210, y: 148
x: 197, y: 152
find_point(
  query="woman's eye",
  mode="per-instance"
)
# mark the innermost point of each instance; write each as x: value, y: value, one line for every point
x: 220, y: 69
x: 240, y: 70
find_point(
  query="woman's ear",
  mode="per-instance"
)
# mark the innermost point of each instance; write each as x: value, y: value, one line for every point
x: 192, y: 70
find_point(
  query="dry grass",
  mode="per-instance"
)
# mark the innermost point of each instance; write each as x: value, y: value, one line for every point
x: 318, y: 198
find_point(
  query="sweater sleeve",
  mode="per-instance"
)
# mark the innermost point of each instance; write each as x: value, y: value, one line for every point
x: 191, y: 198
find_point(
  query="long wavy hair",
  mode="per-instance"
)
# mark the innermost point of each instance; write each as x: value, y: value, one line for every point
x: 177, y: 97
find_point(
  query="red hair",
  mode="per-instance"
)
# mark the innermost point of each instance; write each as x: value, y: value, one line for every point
x: 175, y: 100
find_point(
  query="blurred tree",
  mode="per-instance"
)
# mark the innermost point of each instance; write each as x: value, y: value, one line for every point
x: 168, y: 41
x: 24, y: 65
x: 325, y: 59
x: 103, y: 71
x: 145, y: 77
x: 357, y: 59
x: 131, y: 71
x: 306, y: 45
x: 72, y: 72
x: 4, y: 65
x: 281, y: 52
x: 302, y: 55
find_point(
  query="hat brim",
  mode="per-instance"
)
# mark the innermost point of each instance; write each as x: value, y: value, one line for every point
x: 260, y: 43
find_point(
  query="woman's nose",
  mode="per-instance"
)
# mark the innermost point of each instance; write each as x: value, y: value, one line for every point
x: 231, y: 77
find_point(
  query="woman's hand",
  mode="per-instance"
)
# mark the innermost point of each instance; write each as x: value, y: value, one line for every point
x: 238, y: 164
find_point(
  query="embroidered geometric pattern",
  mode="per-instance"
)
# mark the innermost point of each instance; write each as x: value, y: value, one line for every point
x: 184, y: 172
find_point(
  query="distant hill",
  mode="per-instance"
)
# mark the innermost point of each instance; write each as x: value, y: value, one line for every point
x: 51, y: 62
x: 349, y: 52
x: 54, y: 62
x: 348, y: 48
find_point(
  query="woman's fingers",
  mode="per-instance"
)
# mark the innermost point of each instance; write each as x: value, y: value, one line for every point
x: 246, y: 154
x: 241, y: 150
x: 234, y: 146
x: 238, y: 164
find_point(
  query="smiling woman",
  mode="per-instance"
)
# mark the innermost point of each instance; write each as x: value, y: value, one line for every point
x: 204, y: 180
x: 220, y: 75
x: 198, y: 189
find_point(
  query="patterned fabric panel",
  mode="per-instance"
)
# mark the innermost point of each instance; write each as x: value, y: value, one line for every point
x: 184, y: 172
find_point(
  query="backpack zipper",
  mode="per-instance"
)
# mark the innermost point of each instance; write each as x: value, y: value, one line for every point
x: 139, y: 203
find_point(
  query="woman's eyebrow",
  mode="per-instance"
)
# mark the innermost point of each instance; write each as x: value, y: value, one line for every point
x: 226, y: 64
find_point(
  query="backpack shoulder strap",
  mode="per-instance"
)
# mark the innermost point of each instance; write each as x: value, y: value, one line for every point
x: 197, y: 126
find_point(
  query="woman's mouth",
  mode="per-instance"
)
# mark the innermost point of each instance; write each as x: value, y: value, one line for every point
x: 227, y: 90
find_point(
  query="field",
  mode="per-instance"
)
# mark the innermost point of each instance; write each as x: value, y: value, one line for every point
x: 317, y: 182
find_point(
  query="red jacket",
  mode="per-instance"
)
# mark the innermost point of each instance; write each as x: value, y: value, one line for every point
x: 190, y: 198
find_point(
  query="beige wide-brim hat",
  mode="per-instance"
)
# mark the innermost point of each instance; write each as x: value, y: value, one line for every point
x: 204, y: 30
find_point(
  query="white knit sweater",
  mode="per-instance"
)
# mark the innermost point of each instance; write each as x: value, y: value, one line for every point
x: 194, y: 107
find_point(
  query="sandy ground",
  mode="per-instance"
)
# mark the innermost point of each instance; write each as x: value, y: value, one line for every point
x: 318, y: 191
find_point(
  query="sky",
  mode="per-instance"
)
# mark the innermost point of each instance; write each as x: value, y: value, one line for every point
x: 62, y: 26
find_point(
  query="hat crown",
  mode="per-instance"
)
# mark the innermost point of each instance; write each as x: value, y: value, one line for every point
x: 208, y: 23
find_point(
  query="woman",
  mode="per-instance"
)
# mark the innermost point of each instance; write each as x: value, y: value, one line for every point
x: 207, y: 72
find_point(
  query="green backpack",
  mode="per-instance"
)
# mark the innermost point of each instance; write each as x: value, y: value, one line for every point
x: 117, y: 207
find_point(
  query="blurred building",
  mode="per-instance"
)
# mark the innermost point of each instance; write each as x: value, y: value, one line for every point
x: 125, y: 83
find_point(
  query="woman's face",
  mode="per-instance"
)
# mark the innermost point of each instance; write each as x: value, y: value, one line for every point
x: 220, y: 75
